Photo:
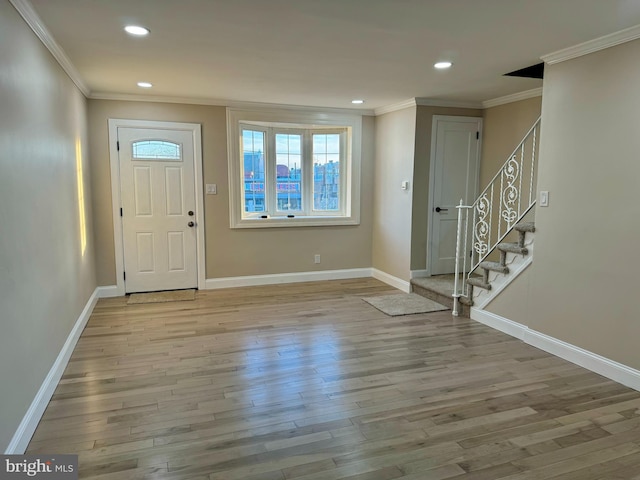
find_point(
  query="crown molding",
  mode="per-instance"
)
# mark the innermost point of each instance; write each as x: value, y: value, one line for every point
x: 222, y: 103
x: 431, y: 102
x: 426, y: 102
x: 515, y: 97
x: 394, y: 107
x: 32, y: 19
x: 592, y: 46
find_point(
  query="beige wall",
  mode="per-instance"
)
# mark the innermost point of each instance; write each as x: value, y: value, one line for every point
x: 511, y: 303
x: 394, y: 153
x: 504, y: 128
x: 422, y: 164
x: 229, y: 252
x: 584, y: 275
x: 47, y: 270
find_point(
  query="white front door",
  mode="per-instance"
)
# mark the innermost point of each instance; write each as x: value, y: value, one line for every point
x: 455, y: 172
x: 157, y: 188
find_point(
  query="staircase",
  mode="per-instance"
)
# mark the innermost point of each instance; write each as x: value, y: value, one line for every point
x: 485, y: 230
x: 489, y: 279
x: 514, y: 258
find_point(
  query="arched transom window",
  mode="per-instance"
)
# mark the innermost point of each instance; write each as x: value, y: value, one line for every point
x: 157, y: 150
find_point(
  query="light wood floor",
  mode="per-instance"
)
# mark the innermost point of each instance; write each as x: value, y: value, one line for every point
x: 309, y: 382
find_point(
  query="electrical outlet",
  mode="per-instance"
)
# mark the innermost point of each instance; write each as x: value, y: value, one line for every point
x: 316, y: 259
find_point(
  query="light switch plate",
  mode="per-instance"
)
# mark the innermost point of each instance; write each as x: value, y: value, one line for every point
x: 212, y: 189
x: 544, y: 199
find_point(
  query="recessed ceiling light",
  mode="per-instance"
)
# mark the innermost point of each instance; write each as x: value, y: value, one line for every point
x: 443, y: 65
x: 357, y: 102
x: 145, y: 84
x: 136, y: 30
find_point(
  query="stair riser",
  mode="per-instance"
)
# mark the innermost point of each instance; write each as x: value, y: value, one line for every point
x: 479, y: 283
x: 495, y: 267
x: 513, y: 248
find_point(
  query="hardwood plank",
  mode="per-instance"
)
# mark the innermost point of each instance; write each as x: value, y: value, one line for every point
x: 308, y: 382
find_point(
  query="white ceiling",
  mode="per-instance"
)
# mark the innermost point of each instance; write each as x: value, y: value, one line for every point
x: 322, y: 52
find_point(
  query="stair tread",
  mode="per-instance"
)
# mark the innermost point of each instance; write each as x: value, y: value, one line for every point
x: 478, y: 282
x: 513, y: 248
x: 525, y: 227
x: 494, y: 267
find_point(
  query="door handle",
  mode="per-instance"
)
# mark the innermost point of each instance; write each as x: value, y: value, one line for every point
x: 191, y: 224
x: 438, y: 209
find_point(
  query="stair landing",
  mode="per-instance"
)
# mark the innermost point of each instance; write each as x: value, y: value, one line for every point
x: 438, y: 288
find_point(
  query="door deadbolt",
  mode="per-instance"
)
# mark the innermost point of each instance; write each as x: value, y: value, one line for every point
x: 191, y: 213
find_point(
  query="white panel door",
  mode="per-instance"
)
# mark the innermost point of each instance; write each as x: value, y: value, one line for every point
x: 456, y: 172
x: 157, y: 186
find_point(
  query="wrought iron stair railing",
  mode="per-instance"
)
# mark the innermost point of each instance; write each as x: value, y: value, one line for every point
x: 508, y: 197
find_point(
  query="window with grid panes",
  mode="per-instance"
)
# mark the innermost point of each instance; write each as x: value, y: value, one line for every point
x: 287, y: 174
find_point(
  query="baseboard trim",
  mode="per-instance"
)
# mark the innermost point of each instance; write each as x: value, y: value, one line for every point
x: 419, y: 274
x: 391, y: 280
x: 109, y: 291
x: 30, y: 421
x: 278, y: 278
x: 591, y: 361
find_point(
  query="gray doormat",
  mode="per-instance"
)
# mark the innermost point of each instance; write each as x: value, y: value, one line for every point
x: 404, y: 304
x: 161, y: 297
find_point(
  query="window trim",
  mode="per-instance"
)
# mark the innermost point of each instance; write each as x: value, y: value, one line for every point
x: 313, y: 122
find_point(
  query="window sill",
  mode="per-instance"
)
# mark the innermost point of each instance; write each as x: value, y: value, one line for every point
x: 279, y: 222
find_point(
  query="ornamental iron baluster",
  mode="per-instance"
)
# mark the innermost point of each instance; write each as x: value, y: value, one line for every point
x: 533, y: 164
x: 491, y: 204
x: 520, y: 179
x: 473, y: 236
x: 481, y: 228
x: 464, y: 249
x: 510, y: 193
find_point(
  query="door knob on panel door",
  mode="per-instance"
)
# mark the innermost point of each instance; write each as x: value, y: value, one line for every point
x: 191, y: 224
